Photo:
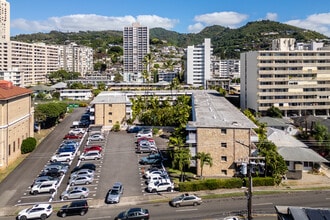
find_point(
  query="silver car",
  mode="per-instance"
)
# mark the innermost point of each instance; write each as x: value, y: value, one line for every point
x: 81, y: 180
x: 115, y: 193
x: 82, y: 172
x: 186, y: 199
x: 90, y: 155
x: 77, y: 192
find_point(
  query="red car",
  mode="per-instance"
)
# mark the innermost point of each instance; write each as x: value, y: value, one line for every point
x: 72, y: 136
x: 93, y: 148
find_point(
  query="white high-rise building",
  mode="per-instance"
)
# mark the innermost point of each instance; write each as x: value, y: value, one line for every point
x: 136, y: 47
x: 4, y: 20
x: 76, y: 58
x: 198, y: 64
x: 292, y: 77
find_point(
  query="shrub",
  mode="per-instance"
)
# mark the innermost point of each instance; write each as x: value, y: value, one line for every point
x: 28, y: 145
x: 210, y: 184
x: 116, y: 127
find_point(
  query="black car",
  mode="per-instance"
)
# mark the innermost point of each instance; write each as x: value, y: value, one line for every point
x: 55, y: 173
x: 134, y: 213
x: 89, y: 166
x: 78, y: 207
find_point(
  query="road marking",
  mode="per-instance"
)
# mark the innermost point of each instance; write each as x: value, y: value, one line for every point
x: 104, y: 217
x: 186, y: 210
x: 266, y: 203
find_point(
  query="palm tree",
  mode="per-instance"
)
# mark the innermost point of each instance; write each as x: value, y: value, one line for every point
x: 204, y: 158
x: 181, y: 159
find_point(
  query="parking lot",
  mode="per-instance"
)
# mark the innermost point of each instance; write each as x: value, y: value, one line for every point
x: 119, y: 163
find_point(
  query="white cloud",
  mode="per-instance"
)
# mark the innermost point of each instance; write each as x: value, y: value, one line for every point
x: 315, y: 22
x: 90, y: 22
x: 271, y: 16
x: 226, y: 18
x: 195, y: 28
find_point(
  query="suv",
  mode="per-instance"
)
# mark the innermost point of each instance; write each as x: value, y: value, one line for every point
x: 160, y: 186
x: 151, y: 159
x: 44, y: 187
x: 62, y: 157
x: 41, y: 211
x: 90, y: 155
x: 78, y: 207
x: 144, y: 133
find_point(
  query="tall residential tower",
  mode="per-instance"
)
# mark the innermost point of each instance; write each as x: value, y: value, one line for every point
x: 198, y: 65
x: 136, y: 47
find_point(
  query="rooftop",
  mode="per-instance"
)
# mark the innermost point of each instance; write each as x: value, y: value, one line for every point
x: 9, y: 91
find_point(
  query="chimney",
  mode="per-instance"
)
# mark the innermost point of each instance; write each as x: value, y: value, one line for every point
x: 6, y: 84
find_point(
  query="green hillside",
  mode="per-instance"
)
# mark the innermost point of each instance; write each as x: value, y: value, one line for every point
x: 227, y: 43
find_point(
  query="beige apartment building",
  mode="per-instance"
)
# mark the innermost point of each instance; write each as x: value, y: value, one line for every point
x: 294, y: 77
x: 217, y: 127
x: 16, y: 121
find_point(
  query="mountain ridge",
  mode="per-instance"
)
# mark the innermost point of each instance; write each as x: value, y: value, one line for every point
x: 226, y: 42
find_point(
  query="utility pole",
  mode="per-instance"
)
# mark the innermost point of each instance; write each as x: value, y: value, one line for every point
x: 249, y: 173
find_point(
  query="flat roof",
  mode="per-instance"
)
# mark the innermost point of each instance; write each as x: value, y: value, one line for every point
x: 210, y: 109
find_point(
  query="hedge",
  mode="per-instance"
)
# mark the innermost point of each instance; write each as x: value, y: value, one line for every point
x: 212, y: 184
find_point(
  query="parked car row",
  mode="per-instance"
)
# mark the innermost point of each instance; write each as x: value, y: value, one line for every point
x: 146, y: 145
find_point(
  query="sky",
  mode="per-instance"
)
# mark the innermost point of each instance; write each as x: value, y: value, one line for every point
x: 183, y: 16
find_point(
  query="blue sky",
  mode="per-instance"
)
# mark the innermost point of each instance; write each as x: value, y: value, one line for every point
x: 183, y: 16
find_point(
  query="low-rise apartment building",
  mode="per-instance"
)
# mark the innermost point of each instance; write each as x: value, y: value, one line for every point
x: 217, y: 127
x: 16, y: 121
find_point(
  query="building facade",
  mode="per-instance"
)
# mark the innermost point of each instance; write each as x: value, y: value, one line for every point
x: 35, y: 61
x: 136, y: 47
x: 16, y: 121
x: 198, y: 64
x: 4, y: 20
x: 217, y: 127
x: 292, y: 77
x: 76, y: 58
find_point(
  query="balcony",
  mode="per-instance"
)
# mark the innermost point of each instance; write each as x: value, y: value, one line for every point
x: 191, y: 138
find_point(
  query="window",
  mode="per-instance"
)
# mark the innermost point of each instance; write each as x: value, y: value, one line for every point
x: 110, y: 113
x: 224, y: 172
x: 223, y: 131
x: 110, y: 121
x: 223, y: 158
x: 110, y: 105
x: 223, y: 144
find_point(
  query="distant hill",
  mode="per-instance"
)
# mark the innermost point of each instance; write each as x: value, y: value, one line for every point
x: 227, y: 43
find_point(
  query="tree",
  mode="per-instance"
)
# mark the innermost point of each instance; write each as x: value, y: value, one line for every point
x: 181, y: 159
x: 274, y: 112
x: 204, y: 158
x: 118, y: 78
x: 275, y: 164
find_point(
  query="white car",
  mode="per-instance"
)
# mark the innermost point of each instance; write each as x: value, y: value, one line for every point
x: 155, y: 173
x: 44, y: 187
x: 41, y: 211
x: 90, y: 155
x: 62, y: 157
x: 144, y: 133
x: 96, y: 137
x: 77, y: 131
x: 160, y: 186
x: 158, y: 179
